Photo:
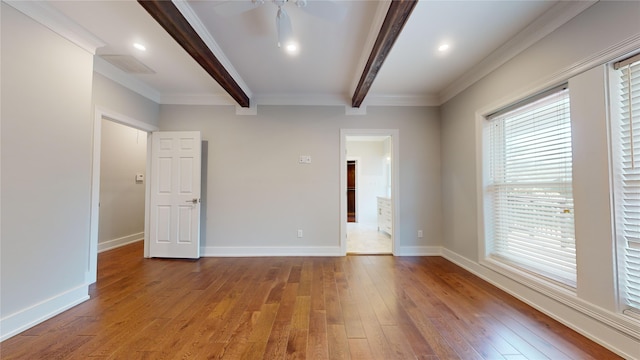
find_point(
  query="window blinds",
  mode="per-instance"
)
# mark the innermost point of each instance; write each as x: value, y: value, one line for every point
x: 627, y: 184
x: 531, y: 221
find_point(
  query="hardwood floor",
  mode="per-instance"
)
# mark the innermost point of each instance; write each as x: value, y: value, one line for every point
x: 354, y: 307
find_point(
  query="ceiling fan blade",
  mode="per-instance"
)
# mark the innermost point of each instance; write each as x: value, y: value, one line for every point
x: 330, y: 10
x: 235, y: 7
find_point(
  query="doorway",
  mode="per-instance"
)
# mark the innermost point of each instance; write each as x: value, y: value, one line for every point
x: 351, y: 191
x: 144, y: 131
x: 369, y: 197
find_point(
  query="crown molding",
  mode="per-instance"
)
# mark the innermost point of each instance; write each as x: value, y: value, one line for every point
x: 197, y: 99
x: 402, y: 100
x: 551, y: 20
x: 187, y: 11
x: 283, y: 99
x: 57, y: 22
x: 102, y: 67
x: 316, y: 99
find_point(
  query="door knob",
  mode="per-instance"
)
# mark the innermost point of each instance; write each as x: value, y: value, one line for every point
x: 193, y: 201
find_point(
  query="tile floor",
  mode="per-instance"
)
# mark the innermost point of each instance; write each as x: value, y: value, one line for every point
x: 365, y: 238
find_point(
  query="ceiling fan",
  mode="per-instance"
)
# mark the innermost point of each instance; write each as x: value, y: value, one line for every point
x: 327, y: 9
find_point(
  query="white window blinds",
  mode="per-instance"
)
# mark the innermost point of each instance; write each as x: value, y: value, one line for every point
x: 530, y: 220
x: 627, y: 184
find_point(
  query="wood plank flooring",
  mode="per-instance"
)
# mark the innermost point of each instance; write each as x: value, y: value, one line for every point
x: 354, y: 307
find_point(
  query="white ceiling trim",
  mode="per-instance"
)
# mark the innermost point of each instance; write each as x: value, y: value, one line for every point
x: 333, y: 99
x: 401, y: 100
x: 301, y: 99
x: 197, y: 99
x: 198, y: 26
x: 102, y: 67
x: 44, y: 14
x: 551, y: 20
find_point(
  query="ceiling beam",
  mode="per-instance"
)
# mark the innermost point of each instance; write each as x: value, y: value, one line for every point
x: 172, y: 20
x: 396, y: 18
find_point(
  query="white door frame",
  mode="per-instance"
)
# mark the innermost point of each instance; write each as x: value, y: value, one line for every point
x: 100, y: 114
x: 395, y: 180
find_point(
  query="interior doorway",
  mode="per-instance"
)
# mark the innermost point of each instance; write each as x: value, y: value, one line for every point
x: 351, y: 191
x: 369, y: 196
x: 144, y: 131
x: 123, y: 156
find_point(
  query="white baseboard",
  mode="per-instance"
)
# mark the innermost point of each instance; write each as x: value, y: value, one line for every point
x: 601, y: 326
x: 420, y: 251
x: 116, y: 243
x: 24, y: 319
x: 229, y: 251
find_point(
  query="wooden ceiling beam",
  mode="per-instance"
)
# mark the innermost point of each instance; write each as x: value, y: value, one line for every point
x: 170, y: 18
x: 394, y: 21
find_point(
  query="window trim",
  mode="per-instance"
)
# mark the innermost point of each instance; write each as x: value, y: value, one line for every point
x: 515, y: 271
x: 501, y: 279
x: 615, y: 113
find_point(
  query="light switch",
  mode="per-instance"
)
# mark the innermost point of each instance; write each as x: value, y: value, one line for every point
x: 139, y: 178
x: 304, y: 159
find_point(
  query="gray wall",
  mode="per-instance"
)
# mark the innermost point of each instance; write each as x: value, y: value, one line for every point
x: 258, y: 194
x: 116, y: 98
x: 123, y: 155
x: 565, y: 54
x: 46, y: 170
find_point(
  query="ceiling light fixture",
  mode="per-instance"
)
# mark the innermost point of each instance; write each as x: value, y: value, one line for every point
x: 443, y: 47
x: 139, y: 46
x: 283, y: 25
x: 286, y: 40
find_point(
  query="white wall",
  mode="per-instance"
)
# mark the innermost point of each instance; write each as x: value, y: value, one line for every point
x: 370, y: 178
x: 123, y: 155
x: 46, y: 169
x: 606, y: 28
x: 258, y: 195
x: 114, y: 97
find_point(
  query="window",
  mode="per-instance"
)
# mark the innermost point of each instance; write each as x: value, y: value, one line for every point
x: 529, y: 209
x: 626, y: 159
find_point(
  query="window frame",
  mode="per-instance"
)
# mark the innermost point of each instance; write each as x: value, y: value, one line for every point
x: 615, y: 89
x: 521, y: 274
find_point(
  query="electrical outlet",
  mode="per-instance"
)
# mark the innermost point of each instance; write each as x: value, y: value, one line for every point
x: 300, y: 233
x: 420, y: 234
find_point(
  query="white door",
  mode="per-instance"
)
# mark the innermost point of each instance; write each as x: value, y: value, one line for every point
x: 175, y: 194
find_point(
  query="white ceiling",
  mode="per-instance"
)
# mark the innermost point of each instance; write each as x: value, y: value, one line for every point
x: 481, y: 34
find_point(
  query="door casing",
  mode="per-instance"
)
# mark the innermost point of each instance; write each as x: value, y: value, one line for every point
x: 100, y: 114
x: 395, y: 180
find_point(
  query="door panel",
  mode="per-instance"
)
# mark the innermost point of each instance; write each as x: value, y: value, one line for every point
x: 175, y: 195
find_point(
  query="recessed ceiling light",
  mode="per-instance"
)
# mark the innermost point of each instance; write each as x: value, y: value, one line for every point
x: 139, y: 46
x: 443, y: 47
x: 292, y: 48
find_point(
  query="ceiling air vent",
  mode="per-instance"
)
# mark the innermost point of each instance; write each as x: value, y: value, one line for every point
x: 128, y: 64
